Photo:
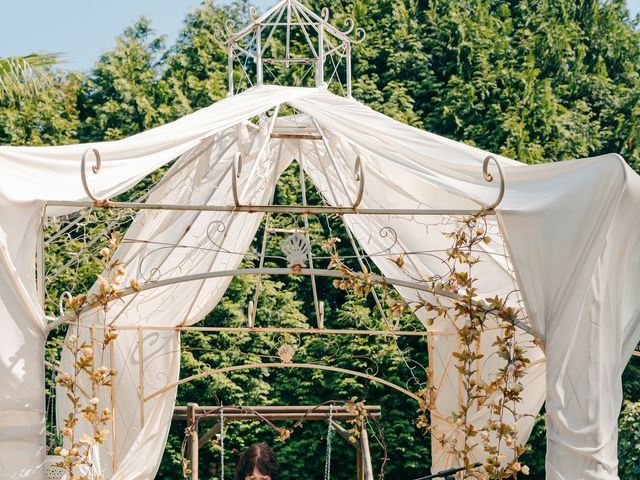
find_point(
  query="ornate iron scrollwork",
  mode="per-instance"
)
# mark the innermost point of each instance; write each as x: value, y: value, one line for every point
x: 489, y: 178
x: 95, y: 169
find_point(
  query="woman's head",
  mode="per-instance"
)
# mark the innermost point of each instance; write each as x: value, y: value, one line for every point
x: 258, y: 463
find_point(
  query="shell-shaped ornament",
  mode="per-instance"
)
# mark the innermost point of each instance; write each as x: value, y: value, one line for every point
x: 296, y: 248
x: 286, y: 353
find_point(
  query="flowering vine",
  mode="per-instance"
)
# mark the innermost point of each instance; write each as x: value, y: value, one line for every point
x: 469, y: 315
x: 84, y: 384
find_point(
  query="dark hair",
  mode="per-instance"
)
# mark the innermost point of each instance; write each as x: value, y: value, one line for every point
x: 259, y: 455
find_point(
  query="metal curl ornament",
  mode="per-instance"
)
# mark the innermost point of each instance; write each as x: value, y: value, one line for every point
x: 325, y: 14
x: 389, y: 232
x: 361, y: 36
x: 219, y: 37
x: 253, y: 14
x: 215, y: 227
x: 64, y: 296
x: 349, y: 25
x: 229, y: 26
x: 154, y: 274
x: 236, y: 170
x: 95, y: 169
x: 372, y: 370
x: 489, y: 178
x: 359, y: 176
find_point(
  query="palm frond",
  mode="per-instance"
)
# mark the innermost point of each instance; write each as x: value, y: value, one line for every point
x: 24, y: 76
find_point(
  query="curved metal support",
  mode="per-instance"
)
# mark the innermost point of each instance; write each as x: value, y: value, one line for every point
x: 422, y: 287
x: 308, y: 366
x: 95, y: 169
x: 236, y: 170
x: 359, y: 175
x: 489, y: 178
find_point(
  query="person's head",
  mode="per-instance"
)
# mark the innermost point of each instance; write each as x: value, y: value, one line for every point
x: 258, y: 463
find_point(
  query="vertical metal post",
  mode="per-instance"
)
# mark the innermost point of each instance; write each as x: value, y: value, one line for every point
x: 114, y: 438
x: 259, y: 72
x: 366, y: 454
x: 141, y: 376
x: 230, y: 68
x: 314, y: 290
x: 40, y: 259
x: 263, y: 251
x: 94, y: 343
x: 194, y: 445
x: 288, y: 39
x: 348, y: 55
x: 320, y: 65
x: 359, y: 464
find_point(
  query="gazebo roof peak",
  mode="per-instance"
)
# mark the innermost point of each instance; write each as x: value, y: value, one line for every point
x: 287, y: 43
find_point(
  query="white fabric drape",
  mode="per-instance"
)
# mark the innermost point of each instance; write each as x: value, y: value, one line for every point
x: 181, y: 244
x: 31, y: 176
x: 21, y: 372
x: 587, y: 311
x: 383, y: 238
x: 564, y: 224
x: 564, y: 236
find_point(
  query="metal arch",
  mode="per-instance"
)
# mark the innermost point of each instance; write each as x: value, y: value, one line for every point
x: 308, y: 366
x: 283, y: 271
x: 265, y: 271
x: 276, y: 271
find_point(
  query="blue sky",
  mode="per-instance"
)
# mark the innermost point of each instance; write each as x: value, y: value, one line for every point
x: 83, y: 29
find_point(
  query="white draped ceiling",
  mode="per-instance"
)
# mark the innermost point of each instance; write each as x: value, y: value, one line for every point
x: 564, y: 238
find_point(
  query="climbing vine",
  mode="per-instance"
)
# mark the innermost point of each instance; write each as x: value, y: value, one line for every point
x: 84, y: 384
x: 470, y: 317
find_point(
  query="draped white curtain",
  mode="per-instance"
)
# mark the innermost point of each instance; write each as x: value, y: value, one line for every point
x: 385, y: 237
x: 31, y: 176
x: 161, y: 245
x: 563, y: 237
x: 587, y: 311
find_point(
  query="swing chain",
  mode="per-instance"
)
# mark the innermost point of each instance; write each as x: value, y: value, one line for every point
x: 327, y: 464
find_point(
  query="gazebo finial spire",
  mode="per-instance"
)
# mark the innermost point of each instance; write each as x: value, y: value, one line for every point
x: 290, y: 41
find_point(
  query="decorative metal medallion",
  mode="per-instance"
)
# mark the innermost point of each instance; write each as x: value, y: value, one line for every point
x: 286, y: 353
x: 296, y: 248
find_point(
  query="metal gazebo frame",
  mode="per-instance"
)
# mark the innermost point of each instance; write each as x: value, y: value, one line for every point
x: 254, y: 43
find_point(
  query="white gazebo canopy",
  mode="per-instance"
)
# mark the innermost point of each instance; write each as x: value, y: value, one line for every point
x: 564, y: 237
